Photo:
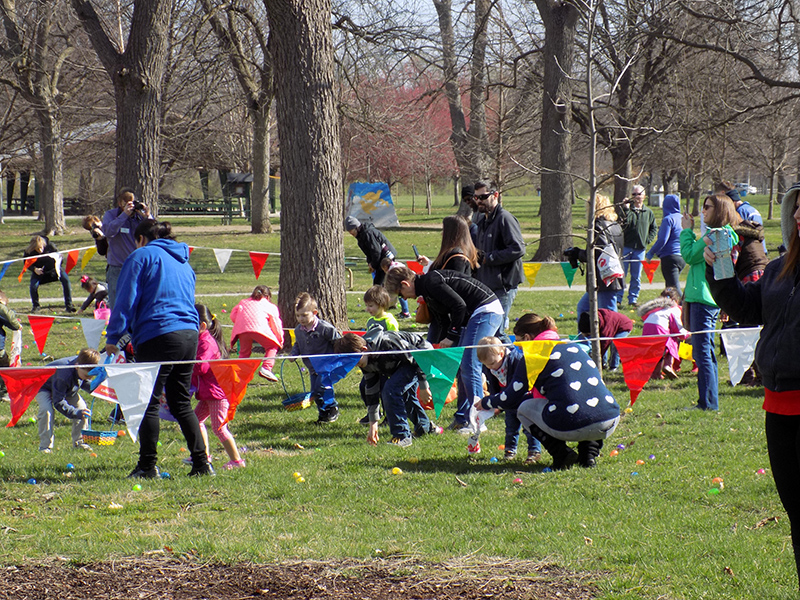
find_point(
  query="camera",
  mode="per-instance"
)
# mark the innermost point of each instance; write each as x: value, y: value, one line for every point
x: 139, y: 206
x: 572, y: 254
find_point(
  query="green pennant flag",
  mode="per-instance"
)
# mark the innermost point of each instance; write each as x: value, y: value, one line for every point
x: 440, y: 367
x: 569, y: 272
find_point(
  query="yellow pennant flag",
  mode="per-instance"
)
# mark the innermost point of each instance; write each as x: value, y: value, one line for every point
x: 291, y: 336
x: 536, y: 353
x: 90, y: 252
x: 531, y: 269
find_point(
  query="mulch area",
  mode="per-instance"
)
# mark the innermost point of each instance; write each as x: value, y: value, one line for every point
x: 181, y: 579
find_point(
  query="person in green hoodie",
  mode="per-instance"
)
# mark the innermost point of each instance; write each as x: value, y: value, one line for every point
x: 718, y: 211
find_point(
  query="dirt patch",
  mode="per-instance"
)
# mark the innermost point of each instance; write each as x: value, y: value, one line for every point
x: 176, y: 579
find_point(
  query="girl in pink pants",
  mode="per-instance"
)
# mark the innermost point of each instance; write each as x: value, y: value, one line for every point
x: 256, y: 319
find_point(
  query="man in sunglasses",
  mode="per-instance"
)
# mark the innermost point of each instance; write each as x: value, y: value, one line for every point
x: 500, y: 248
x: 639, y: 230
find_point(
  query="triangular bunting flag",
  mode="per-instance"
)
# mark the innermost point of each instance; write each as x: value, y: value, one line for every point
x: 258, y: 259
x: 4, y: 269
x: 223, y: 255
x: 415, y: 266
x: 440, y: 367
x: 26, y: 265
x: 740, y: 346
x: 23, y: 385
x: 72, y: 259
x: 233, y: 377
x: 333, y: 368
x: 90, y: 252
x: 57, y: 259
x: 650, y: 267
x: 191, y: 249
x: 92, y: 331
x: 531, y: 270
x: 639, y: 356
x: 15, y: 353
x: 569, y: 272
x: 40, y: 327
x: 291, y: 336
x: 536, y: 354
x: 133, y: 384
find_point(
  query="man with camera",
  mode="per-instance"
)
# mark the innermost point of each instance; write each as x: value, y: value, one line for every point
x: 639, y: 230
x: 119, y: 224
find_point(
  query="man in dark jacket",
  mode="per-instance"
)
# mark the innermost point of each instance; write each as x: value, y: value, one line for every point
x: 500, y: 247
x: 373, y: 244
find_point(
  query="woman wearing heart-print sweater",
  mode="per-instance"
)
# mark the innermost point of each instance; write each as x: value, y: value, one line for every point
x: 569, y: 401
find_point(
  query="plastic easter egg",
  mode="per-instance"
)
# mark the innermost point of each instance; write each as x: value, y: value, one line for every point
x: 501, y: 447
x: 613, y: 453
x: 547, y: 470
x: 560, y: 315
x: 32, y: 481
x: 68, y: 474
x: 493, y: 459
x: 620, y: 446
x: 2, y: 454
x: 652, y: 457
x: 137, y: 488
x: 158, y: 444
x: 32, y: 420
x: 713, y: 491
x: 352, y: 320
x: 518, y: 481
x: 628, y: 410
x: 634, y: 474
x: 93, y: 455
x: 165, y: 475
x: 760, y: 471
x: 716, y: 480
x: 75, y: 327
x: 243, y: 449
x: 397, y: 471
x: 300, y: 480
x: 224, y: 311
x: 640, y: 462
x: 183, y: 450
x: 224, y: 305
x: 26, y: 346
x: 121, y: 433
x: 70, y: 466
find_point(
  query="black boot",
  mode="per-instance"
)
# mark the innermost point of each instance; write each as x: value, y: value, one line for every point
x: 563, y: 456
x: 588, y: 451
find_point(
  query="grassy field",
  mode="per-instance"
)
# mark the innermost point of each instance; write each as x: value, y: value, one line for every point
x: 640, y: 530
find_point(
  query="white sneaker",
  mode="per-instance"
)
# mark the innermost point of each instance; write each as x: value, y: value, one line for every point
x: 45, y: 450
x: 82, y: 446
x: 267, y: 374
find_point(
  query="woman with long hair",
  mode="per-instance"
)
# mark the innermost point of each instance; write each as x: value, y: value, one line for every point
x: 457, y: 252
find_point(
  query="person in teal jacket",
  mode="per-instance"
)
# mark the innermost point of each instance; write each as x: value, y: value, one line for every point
x: 718, y: 211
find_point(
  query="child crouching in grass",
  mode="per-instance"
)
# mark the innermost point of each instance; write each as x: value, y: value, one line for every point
x: 500, y: 365
x: 393, y: 378
x: 60, y: 393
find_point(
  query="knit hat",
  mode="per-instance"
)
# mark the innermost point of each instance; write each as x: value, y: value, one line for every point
x: 351, y: 223
x: 467, y: 191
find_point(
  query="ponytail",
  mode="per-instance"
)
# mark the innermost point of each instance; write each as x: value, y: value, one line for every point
x: 214, y: 327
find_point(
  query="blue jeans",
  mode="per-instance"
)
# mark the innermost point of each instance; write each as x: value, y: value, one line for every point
x: 631, y: 254
x: 512, y: 434
x: 703, y: 317
x: 322, y: 394
x: 671, y: 267
x: 506, y: 300
x: 607, y: 300
x: 112, y: 276
x: 403, y: 305
x: 479, y: 326
x: 398, y: 391
x: 64, y: 279
x: 613, y: 356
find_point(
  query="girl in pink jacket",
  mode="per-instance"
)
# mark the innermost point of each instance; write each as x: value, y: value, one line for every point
x: 211, y: 400
x: 256, y: 319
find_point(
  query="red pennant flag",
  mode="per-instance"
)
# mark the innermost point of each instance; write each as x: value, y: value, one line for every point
x: 233, y: 377
x: 72, y: 259
x: 23, y: 385
x: 28, y: 263
x: 40, y: 326
x: 191, y: 249
x: 258, y: 259
x: 415, y: 266
x: 639, y: 356
x: 650, y: 268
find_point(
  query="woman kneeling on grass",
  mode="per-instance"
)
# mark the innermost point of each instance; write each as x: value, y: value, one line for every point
x: 772, y: 302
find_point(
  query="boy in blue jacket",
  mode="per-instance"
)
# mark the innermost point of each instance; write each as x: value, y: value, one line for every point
x: 60, y: 393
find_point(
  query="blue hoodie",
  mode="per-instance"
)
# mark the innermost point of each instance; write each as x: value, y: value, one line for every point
x: 155, y: 293
x: 669, y: 233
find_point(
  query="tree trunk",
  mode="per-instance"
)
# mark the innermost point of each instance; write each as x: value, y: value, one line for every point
x: 259, y: 198
x: 428, y: 193
x: 478, y: 139
x: 560, y: 21
x: 312, y: 248
x: 621, y: 159
x: 136, y: 73
x: 51, y: 201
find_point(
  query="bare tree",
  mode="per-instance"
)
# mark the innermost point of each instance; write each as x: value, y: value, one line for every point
x: 136, y: 68
x: 312, y: 249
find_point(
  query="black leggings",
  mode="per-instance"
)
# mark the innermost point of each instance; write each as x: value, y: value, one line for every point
x: 783, y: 445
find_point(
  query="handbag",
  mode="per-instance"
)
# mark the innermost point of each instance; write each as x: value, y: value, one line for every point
x: 422, y: 316
x: 444, y: 266
x: 609, y: 267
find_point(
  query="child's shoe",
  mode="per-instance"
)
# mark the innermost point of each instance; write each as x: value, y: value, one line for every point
x: 198, y: 472
x: 139, y: 473
x: 402, y: 442
x: 329, y: 415
x: 564, y: 459
x: 234, y: 464
x: 82, y: 446
x: 267, y: 374
x: 404, y: 315
x: 533, y: 457
x: 188, y: 461
x: 510, y: 454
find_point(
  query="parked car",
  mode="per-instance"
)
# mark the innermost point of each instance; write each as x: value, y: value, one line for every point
x: 745, y: 188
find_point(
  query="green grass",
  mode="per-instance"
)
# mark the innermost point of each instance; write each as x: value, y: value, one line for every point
x: 656, y: 534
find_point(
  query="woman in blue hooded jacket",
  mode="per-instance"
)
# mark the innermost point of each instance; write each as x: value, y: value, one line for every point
x: 155, y: 302
x: 667, y: 246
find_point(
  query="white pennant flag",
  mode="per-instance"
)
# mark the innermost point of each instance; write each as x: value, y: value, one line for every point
x: 92, y: 331
x: 223, y: 256
x: 133, y: 384
x: 740, y: 346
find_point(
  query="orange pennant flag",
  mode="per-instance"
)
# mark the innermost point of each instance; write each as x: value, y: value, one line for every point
x: 415, y: 266
x: 40, y: 326
x: 650, y: 267
x: 28, y: 263
x: 72, y: 259
x: 258, y: 259
x: 233, y: 377
x: 23, y: 385
x: 639, y: 356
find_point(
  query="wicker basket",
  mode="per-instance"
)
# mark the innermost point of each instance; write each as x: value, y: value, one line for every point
x: 295, y: 401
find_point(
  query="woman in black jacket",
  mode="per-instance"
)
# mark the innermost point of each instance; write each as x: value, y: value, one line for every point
x: 47, y: 269
x: 465, y: 311
x: 773, y: 301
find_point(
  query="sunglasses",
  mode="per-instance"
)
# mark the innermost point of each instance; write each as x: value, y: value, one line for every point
x: 708, y: 206
x: 482, y: 196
